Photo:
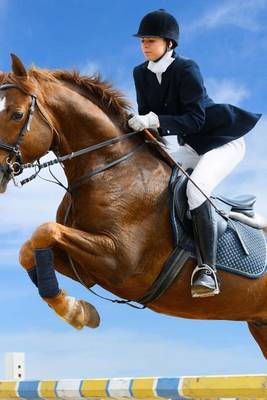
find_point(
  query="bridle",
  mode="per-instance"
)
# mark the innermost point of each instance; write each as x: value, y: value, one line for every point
x: 14, y: 151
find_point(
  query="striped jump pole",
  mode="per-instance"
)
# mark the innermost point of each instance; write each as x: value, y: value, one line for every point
x: 181, y: 388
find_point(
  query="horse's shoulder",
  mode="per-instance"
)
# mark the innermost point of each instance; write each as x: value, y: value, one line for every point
x: 62, y: 208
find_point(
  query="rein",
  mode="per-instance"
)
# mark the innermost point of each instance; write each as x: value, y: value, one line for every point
x: 78, y: 153
x: 16, y: 168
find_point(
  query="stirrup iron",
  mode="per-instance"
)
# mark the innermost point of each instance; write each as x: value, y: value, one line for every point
x: 211, y: 272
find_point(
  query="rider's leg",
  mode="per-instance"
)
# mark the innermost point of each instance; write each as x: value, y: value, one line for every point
x: 186, y: 156
x: 204, y: 280
x: 212, y: 167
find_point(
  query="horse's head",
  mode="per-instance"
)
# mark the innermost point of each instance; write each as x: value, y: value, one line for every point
x: 26, y: 133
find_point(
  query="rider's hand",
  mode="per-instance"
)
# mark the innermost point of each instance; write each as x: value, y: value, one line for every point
x: 140, y: 122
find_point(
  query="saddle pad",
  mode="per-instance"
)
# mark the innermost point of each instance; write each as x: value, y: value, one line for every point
x: 232, y: 257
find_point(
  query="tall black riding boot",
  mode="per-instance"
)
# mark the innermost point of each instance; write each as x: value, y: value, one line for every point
x: 204, y: 281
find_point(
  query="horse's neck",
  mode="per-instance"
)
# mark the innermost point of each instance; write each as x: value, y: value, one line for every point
x: 82, y: 123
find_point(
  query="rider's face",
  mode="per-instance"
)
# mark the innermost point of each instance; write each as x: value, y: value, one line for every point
x: 153, y: 47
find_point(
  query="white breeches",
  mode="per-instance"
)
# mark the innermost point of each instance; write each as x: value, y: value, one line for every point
x: 210, y: 168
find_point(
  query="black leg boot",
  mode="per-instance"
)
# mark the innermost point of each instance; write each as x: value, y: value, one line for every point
x: 204, y: 281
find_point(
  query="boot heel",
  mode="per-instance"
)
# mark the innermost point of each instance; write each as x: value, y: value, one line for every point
x: 196, y: 294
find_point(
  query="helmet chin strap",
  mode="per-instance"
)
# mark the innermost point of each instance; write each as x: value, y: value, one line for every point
x: 167, y: 49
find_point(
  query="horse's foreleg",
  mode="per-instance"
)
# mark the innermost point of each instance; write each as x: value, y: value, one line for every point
x: 78, y: 313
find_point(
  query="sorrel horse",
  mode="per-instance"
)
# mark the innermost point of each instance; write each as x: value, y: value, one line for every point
x: 117, y: 233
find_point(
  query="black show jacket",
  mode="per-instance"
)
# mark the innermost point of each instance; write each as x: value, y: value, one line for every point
x: 184, y: 108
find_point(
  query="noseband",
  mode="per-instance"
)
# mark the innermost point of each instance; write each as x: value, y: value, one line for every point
x: 16, y: 167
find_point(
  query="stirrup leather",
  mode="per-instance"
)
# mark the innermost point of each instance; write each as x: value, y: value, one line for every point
x: 212, y: 272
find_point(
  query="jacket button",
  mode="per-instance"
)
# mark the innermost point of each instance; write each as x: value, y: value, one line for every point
x: 168, y: 131
x: 165, y: 104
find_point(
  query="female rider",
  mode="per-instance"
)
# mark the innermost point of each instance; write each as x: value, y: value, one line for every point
x: 172, y: 98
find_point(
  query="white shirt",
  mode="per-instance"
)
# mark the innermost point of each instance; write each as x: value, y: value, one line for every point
x: 158, y: 67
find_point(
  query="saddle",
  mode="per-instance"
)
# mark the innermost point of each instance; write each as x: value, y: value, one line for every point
x: 241, y: 247
x: 243, y: 205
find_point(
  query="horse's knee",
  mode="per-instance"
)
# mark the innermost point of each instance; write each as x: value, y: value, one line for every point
x: 45, y: 235
x: 26, y: 255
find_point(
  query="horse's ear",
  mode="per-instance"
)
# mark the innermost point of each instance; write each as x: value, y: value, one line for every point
x: 17, y: 66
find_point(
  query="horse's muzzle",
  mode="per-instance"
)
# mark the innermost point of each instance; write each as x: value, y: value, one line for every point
x: 4, y: 178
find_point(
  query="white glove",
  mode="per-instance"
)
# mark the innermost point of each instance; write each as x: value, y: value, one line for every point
x: 140, y: 122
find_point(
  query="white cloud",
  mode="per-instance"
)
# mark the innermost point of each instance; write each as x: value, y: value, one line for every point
x: 226, y: 91
x: 34, y: 203
x: 256, y: 149
x: 90, y: 68
x: 250, y: 175
x: 244, y: 14
x: 120, y: 352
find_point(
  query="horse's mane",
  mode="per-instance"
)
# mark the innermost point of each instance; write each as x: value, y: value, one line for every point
x: 100, y: 92
x: 112, y: 101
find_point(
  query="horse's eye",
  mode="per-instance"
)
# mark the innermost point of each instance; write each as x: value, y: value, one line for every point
x: 17, y: 115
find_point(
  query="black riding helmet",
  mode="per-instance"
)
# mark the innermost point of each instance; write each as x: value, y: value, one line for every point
x: 159, y: 24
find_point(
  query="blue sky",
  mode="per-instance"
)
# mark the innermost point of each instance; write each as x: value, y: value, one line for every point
x: 228, y: 39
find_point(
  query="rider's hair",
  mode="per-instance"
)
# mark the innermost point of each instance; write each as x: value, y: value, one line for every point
x: 170, y: 43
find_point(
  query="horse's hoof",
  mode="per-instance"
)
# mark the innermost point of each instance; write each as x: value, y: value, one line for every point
x: 81, y: 314
x: 91, y: 316
x: 75, y: 314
